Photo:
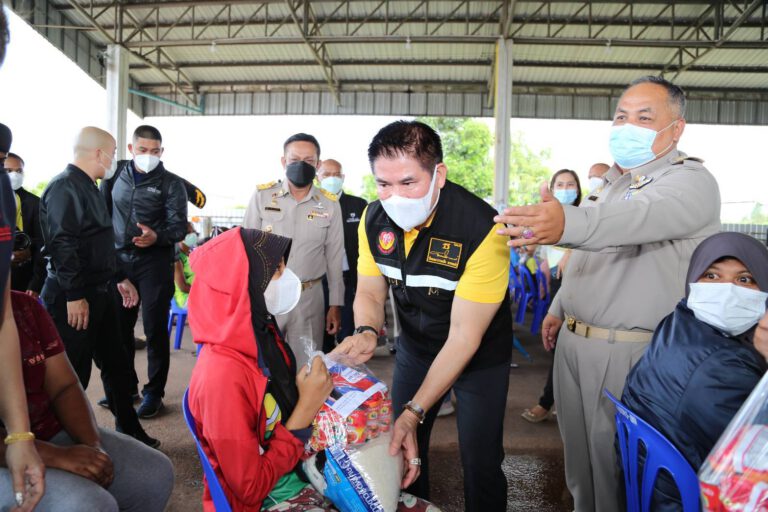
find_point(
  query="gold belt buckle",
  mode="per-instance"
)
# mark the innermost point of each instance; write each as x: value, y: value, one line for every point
x: 571, y: 324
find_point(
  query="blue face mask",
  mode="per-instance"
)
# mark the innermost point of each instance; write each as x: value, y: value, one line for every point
x: 566, y: 196
x: 332, y: 184
x: 630, y: 145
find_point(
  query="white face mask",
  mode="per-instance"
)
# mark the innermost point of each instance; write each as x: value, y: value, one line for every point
x: 146, y: 163
x: 282, y: 294
x: 595, y: 183
x: 729, y: 308
x: 17, y: 179
x: 409, y: 213
x: 110, y: 171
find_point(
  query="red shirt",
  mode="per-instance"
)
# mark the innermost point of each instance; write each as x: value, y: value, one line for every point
x: 39, y: 340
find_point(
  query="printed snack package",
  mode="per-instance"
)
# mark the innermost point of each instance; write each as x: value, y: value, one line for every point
x: 734, y: 476
x: 349, y: 460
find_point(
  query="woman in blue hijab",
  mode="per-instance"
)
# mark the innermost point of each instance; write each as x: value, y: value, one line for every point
x: 702, y: 363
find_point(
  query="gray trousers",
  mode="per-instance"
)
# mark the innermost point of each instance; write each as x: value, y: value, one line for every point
x: 583, y: 368
x: 305, y: 324
x: 143, y: 480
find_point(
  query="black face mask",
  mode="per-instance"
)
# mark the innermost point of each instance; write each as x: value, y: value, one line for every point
x: 300, y: 173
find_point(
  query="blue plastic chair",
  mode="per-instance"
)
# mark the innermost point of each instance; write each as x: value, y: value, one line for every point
x: 540, y: 305
x: 529, y: 293
x: 659, y: 454
x: 515, y: 285
x: 181, y: 318
x: 214, y: 486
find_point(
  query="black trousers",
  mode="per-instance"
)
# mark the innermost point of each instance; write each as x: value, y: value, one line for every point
x: 99, y: 343
x: 481, y: 398
x: 347, y: 327
x: 153, y: 278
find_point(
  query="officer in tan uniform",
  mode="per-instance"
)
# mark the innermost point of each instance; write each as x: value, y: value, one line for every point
x: 634, y: 246
x: 310, y: 216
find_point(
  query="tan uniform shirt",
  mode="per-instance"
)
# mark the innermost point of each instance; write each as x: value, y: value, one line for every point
x: 636, y: 242
x: 314, y: 224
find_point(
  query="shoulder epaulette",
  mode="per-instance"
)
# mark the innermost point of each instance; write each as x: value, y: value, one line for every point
x: 329, y: 195
x: 265, y: 186
x: 681, y: 159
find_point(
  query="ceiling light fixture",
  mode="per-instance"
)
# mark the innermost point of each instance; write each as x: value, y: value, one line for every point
x: 408, y: 43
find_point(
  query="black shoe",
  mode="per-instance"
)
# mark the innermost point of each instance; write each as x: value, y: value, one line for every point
x: 142, y: 436
x: 139, y: 343
x: 150, y: 406
x: 105, y: 403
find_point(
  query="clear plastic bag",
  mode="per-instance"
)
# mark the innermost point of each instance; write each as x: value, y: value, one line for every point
x: 349, y: 458
x: 734, y: 477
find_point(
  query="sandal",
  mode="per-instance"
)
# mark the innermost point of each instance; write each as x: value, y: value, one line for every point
x: 530, y: 416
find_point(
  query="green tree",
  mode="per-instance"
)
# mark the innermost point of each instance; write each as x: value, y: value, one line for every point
x: 467, y: 145
x: 38, y: 189
x: 527, y: 172
x: 758, y: 216
x: 369, y: 188
x: 467, y: 151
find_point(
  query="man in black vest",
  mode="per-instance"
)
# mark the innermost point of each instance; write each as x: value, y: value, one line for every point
x: 435, y: 244
x: 148, y: 205
x: 331, y: 178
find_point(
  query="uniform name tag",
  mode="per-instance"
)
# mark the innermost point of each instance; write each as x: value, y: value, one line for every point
x: 272, y: 209
x: 444, y: 252
x: 320, y: 215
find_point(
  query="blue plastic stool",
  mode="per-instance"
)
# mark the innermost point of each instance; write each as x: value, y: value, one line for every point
x: 214, y: 486
x: 660, y: 454
x: 181, y: 319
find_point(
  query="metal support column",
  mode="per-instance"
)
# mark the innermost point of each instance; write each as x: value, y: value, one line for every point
x: 502, y: 115
x: 117, y: 95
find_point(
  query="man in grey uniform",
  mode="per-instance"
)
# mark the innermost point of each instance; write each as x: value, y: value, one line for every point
x: 635, y: 245
x: 312, y: 218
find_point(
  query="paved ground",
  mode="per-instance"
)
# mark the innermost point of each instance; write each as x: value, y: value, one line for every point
x: 533, y: 465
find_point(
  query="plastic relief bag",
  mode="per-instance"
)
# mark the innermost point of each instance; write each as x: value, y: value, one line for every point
x: 734, y: 477
x: 350, y: 462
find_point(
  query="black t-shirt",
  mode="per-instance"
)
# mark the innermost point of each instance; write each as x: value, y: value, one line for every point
x: 7, y: 229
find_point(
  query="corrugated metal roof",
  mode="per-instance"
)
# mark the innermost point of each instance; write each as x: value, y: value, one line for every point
x: 716, y: 50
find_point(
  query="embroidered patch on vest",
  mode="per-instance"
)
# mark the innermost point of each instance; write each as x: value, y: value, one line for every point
x: 386, y: 241
x: 444, y: 252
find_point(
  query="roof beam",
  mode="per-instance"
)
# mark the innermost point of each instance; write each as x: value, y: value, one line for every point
x: 112, y: 40
x: 318, y: 49
x: 744, y: 15
x: 477, y: 39
x: 169, y: 4
x: 483, y: 62
x: 453, y: 86
x: 580, y: 21
x: 336, y: 63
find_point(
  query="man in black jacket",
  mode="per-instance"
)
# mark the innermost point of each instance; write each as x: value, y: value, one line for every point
x: 149, y: 215
x: 331, y: 178
x: 81, y: 265
x: 28, y: 267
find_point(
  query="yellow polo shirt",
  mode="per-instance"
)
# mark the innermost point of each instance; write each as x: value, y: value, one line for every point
x: 485, y: 276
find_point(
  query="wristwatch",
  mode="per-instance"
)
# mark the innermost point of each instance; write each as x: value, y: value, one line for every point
x: 364, y: 328
x: 416, y: 409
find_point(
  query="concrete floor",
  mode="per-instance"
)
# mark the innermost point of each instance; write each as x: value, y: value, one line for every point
x: 533, y: 463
